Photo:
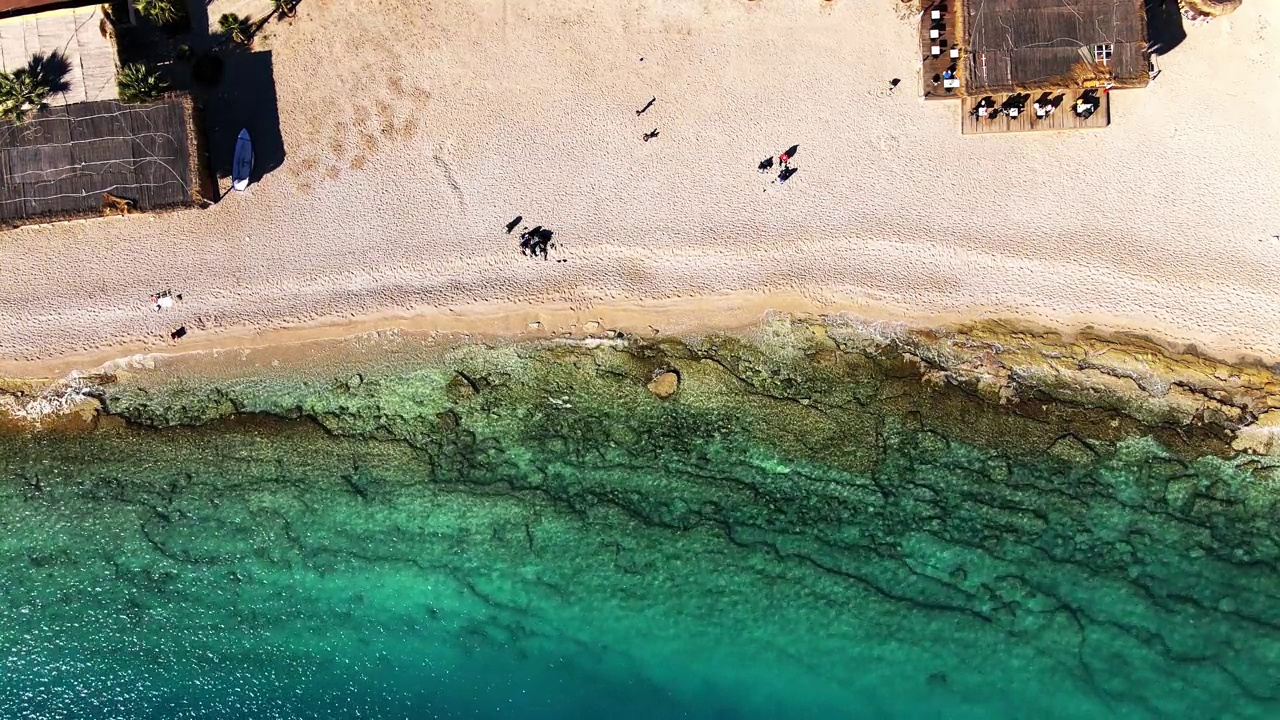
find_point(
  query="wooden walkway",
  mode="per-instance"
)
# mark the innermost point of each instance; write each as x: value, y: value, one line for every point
x: 933, y: 66
x: 1063, y: 118
x: 75, y: 51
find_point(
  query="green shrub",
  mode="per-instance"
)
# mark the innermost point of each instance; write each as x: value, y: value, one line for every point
x: 235, y: 27
x: 137, y: 84
x: 20, y: 93
x: 160, y: 12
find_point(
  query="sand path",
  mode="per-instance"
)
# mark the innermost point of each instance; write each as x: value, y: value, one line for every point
x: 416, y: 130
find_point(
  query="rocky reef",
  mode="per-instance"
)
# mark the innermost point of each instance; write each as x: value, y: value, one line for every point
x: 1088, y: 386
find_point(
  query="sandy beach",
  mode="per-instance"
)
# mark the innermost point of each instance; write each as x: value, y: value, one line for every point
x: 423, y: 129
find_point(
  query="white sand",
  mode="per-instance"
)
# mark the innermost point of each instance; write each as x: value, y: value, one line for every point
x: 416, y: 130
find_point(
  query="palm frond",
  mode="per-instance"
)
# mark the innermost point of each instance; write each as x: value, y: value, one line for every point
x: 138, y: 84
x: 235, y: 27
x: 20, y: 93
x: 160, y: 12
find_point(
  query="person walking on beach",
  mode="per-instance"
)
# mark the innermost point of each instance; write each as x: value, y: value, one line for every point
x: 650, y: 135
x: 787, y: 154
x: 765, y: 165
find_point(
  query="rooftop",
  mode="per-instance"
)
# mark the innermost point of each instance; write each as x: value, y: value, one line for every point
x: 73, y: 39
x: 59, y: 163
x: 1026, y: 45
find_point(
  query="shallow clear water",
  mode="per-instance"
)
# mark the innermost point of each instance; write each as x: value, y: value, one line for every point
x: 593, y: 552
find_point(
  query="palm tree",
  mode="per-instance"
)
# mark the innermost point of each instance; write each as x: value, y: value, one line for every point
x: 137, y: 84
x: 160, y: 12
x: 284, y: 8
x: 236, y: 28
x: 20, y: 93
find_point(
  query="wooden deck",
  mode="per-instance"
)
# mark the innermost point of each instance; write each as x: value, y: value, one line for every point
x: 1064, y: 118
x: 932, y: 66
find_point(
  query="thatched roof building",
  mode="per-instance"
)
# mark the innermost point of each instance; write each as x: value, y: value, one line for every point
x: 1198, y: 9
x: 1031, y: 45
x: 85, y: 159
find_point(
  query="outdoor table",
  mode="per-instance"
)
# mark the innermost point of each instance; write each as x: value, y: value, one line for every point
x: 935, y: 34
x: 955, y: 52
x: 935, y: 15
x: 952, y: 83
x: 935, y: 50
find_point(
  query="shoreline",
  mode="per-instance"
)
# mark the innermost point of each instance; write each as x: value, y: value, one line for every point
x: 499, y: 322
x: 1016, y: 365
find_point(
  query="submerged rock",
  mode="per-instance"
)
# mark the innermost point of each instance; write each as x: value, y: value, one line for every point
x: 1072, y: 449
x: 461, y: 388
x: 664, y: 384
x: 1260, y: 437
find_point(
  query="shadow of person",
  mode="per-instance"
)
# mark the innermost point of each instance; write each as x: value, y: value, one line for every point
x: 1164, y: 26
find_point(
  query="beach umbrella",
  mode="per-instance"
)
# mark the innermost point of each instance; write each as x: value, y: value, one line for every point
x: 1209, y: 8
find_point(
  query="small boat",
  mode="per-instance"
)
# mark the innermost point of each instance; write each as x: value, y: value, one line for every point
x: 242, y: 165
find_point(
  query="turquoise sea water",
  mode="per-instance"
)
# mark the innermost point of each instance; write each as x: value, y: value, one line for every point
x: 540, y: 537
